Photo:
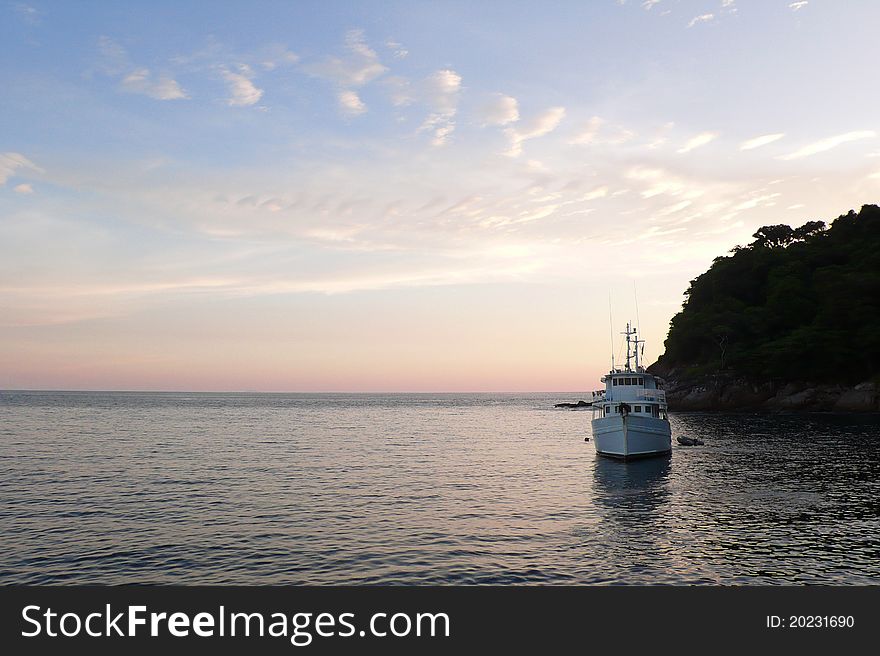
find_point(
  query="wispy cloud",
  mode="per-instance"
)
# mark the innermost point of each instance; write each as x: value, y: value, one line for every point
x: 698, y: 141
x: 400, y: 91
x: 350, y: 103
x: 797, y: 6
x: 442, y: 95
x: 540, y: 125
x: 162, y: 88
x: 661, y: 136
x: 12, y: 162
x: 648, y: 4
x: 115, y: 62
x: 23, y: 188
x: 273, y: 56
x: 598, y: 192
x: 500, y: 110
x: 828, y: 143
x: 28, y: 14
x: 396, y: 49
x: 703, y: 18
x: 593, y: 133
x: 360, y: 66
x: 242, y: 90
x: 763, y: 140
x: 587, y: 134
x: 357, y: 68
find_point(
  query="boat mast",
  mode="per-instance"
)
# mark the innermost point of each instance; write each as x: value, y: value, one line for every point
x: 628, y: 332
x: 632, y: 346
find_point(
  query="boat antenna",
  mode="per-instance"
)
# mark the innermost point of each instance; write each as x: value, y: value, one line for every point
x: 611, y: 325
x: 638, y: 321
x: 636, y: 297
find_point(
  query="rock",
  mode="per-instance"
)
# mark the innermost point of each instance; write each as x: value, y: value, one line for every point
x: 861, y: 398
x: 579, y: 404
x: 719, y: 393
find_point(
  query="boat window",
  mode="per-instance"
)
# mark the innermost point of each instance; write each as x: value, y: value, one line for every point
x: 637, y: 408
x: 640, y: 381
x: 614, y: 381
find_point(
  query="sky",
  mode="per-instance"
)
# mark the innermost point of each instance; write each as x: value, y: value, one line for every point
x: 402, y: 196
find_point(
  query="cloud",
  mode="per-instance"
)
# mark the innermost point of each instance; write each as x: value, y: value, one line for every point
x: 443, y: 87
x: 242, y: 90
x: 141, y: 81
x: 396, y: 49
x: 703, y: 18
x: 136, y: 79
x: 350, y: 103
x: 540, y: 125
x: 441, y: 93
x: 277, y: 55
x: 598, y: 192
x: 648, y: 4
x: 696, y: 142
x: 827, y: 144
x: 28, y: 14
x: 796, y: 6
x: 662, y: 136
x: 500, y: 110
x: 23, y: 189
x: 11, y: 162
x: 589, y: 134
x: 359, y: 67
x: 763, y: 140
x: 399, y: 91
x: 114, y: 58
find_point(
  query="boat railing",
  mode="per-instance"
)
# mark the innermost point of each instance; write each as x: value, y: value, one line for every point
x: 658, y: 396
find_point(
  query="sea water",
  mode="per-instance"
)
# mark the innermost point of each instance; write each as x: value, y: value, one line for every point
x: 116, y: 488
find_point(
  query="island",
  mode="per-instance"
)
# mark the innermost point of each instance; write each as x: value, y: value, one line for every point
x: 789, y: 322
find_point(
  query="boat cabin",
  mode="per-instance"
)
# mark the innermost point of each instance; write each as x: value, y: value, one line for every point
x: 631, y: 390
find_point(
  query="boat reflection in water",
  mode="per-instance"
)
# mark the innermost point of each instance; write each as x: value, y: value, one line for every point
x: 632, y: 500
x: 636, y: 485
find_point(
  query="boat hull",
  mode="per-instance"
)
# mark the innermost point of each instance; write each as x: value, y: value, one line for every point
x: 630, y: 436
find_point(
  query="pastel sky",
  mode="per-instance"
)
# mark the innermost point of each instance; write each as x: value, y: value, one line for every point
x: 398, y: 196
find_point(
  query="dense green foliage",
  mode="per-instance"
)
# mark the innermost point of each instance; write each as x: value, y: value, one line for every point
x: 794, y: 305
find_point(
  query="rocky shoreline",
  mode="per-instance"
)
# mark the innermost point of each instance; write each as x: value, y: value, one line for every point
x: 741, y: 395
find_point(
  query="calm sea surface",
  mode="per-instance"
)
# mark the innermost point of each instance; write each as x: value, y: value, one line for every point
x: 422, y: 488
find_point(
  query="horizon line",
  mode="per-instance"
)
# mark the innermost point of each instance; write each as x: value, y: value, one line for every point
x: 244, y: 391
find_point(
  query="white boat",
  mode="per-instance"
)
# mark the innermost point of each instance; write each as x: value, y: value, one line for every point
x: 630, y: 417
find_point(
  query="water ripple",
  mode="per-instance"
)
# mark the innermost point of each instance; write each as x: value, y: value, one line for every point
x: 407, y: 489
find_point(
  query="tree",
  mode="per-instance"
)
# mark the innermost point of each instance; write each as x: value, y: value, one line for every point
x: 773, y: 236
x: 797, y: 305
x: 809, y: 229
